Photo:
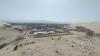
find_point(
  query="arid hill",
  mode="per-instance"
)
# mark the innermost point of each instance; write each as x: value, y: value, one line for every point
x: 95, y: 26
x: 7, y: 34
x: 76, y: 44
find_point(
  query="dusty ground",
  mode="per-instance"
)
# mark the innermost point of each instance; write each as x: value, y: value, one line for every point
x: 95, y: 26
x: 66, y: 45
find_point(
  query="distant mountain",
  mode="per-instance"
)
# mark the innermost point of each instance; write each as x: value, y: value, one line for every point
x: 39, y: 21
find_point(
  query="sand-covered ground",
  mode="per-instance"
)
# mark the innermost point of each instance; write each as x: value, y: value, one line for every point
x: 67, y: 45
x: 95, y: 26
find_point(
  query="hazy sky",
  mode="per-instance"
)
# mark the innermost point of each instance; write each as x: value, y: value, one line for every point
x: 50, y: 10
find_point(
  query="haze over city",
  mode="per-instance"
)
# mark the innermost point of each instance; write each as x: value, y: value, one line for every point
x: 50, y: 10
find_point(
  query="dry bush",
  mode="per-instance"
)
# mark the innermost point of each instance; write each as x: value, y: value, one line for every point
x: 15, y: 48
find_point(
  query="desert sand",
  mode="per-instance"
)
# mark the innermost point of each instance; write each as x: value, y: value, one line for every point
x: 95, y: 26
x: 66, y: 45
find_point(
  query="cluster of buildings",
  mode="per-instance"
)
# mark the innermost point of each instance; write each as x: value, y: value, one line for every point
x: 42, y: 29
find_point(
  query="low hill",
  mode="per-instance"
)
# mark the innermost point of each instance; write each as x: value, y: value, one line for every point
x: 2, y: 23
x: 95, y: 26
x: 75, y: 44
x: 7, y: 34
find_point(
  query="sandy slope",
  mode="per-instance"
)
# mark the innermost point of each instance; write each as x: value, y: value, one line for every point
x: 66, y: 45
x: 7, y: 34
x: 95, y: 26
x: 2, y: 23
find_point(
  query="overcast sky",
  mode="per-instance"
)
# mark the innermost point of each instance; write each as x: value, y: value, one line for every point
x: 50, y: 10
